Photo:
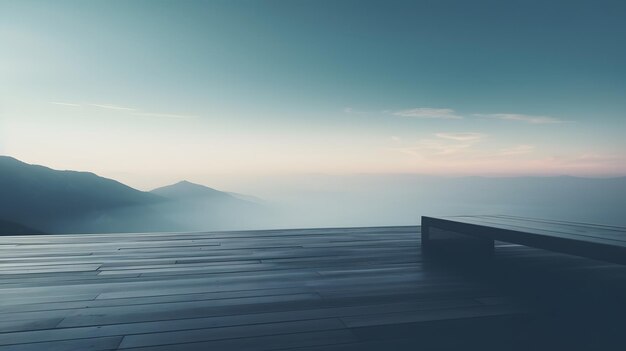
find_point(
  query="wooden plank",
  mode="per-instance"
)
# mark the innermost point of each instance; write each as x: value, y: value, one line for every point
x: 263, y: 343
x: 90, y: 344
x: 430, y: 315
x: 185, y: 296
x: 28, y: 325
x: 224, y: 321
x: 236, y: 332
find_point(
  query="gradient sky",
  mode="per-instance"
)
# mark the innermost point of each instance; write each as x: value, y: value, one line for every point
x: 150, y: 92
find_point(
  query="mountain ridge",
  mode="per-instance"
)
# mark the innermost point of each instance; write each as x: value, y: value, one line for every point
x: 70, y: 201
x: 13, y: 228
x: 65, y: 201
x: 186, y: 189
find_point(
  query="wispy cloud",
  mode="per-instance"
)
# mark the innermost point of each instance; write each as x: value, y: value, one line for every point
x: 443, y: 144
x: 522, y: 118
x: 516, y: 150
x: 64, y: 104
x: 587, y: 159
x: 461, y: 136
x: 114, y: 107
x: 130, y: 110
x: 426, y: 112
x: 448, y: 113
x: 427, y: 148
x: 353, y: 111
x: 163, y: 115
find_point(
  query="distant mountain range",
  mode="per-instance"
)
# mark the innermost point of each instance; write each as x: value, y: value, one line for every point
x: 54, y: 201
x: 185, y: 190
x: 201, y: 208
x: 36, y: 199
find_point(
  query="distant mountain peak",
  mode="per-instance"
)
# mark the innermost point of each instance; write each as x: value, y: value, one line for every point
x: 188, y: 184
x: 187, y: 189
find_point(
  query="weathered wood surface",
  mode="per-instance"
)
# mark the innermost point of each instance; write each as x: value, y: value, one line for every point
x: 602, y: 242
x: 305, y: 289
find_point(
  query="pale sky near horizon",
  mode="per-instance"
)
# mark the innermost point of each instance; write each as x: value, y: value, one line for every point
x: 149, y: 92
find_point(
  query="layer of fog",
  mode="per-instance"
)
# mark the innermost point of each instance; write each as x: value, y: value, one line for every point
x: 374, y: 200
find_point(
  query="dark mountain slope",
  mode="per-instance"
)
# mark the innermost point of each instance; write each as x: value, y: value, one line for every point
x: 12, y: 228
x: 70, y: 201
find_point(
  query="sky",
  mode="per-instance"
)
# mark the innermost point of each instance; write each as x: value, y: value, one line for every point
x: 152, y: 92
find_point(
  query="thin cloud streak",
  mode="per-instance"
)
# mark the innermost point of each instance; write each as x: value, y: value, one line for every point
x: 164, y: 115
x: 587, y: 159
x: 427, y: 112
x: 522, y: 118
x: 64, y: 104
x: 448, y: 113
x: 353, y: 111
x: 434, y: 148
x: 133, y: 111
x: 114, y: 107
x: 516, y: 150
x: 444, y: 145
x: 469, y: 136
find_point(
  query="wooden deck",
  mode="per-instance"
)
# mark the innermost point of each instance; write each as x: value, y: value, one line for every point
x: 600, y: 242
x: 315, y: 289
